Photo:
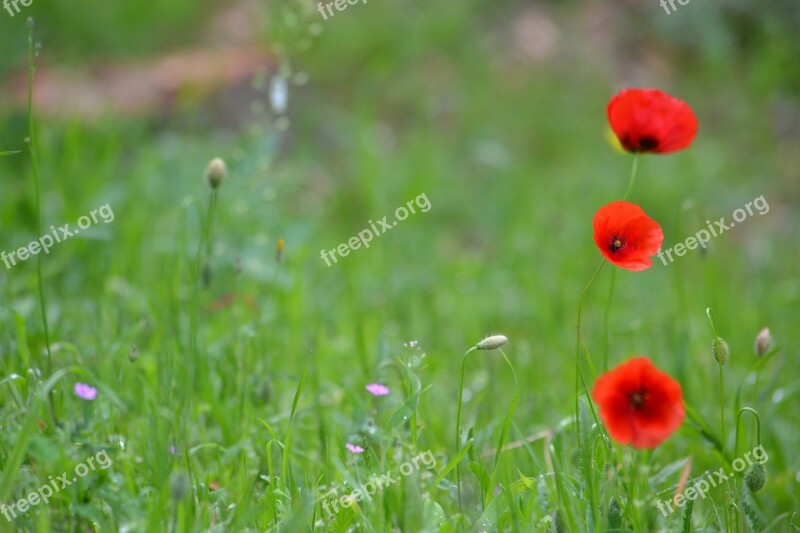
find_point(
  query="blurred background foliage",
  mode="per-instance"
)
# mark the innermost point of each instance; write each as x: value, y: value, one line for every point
x: 494, y: 109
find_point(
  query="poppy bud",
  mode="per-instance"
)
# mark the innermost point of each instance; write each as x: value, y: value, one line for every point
x: 133, y: 355
x: 216, y: 172
x: 763, y: 342
x: 492, y: 342
x: 720, y: 350
x: 756, y: 477
x: 30, y: 23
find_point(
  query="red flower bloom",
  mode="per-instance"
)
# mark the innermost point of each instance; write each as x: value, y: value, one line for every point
x: 639, y: 404
x: 626, y: 235
x: 649, y: 120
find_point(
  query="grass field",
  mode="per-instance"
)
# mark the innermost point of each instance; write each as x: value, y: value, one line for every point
x: 230, y: 360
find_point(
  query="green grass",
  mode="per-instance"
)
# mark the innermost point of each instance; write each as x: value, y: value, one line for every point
x: 246, y: 428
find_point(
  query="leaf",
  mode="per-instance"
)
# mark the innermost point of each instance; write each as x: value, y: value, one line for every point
x: 404, y: 412
x: 453, y: 462
x: 288, y: 440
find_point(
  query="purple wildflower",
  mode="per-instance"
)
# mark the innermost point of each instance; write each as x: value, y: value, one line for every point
x: 376, y: 389
x: 87, y: 392
x: 352, y: 448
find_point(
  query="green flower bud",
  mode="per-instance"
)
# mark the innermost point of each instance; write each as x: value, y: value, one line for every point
x: 216, y: 172
x: 720, y: 350
x: 756, y: 477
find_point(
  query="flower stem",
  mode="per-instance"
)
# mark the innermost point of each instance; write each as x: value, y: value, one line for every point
x: 632, y: 179
x: 48, y: 364
x: 458, y: 424
x: 738, y: 420
x: 722, y: 408
x: 506, y: 425
x: 579, y: 380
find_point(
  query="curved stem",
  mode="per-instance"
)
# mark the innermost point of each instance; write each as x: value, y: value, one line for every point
x: 758, y: 428
x: 632, y: 179
x: 458, y: 424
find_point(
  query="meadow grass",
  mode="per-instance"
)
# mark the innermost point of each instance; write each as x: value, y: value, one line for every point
x: 231, y: 380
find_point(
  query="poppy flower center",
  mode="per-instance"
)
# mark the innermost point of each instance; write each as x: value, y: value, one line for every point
x: 616, y: 243
x: 648, y: 143
x: 637, y: 398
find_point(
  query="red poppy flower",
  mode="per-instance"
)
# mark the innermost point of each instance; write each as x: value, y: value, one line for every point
x: 626, y: 235
x: 649, y: 120
x: 639, y: 404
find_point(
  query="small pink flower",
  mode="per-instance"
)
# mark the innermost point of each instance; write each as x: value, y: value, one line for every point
x: 352, y: 448
x: 87, y: 392
x: 376, y: 389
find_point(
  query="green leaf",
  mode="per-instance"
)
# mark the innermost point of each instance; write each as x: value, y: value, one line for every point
x: 404, y: 412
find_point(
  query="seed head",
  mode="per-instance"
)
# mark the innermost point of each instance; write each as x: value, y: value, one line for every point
x: 763, y: 342
x: 756, y: 477
x: 133, y: 355
x: 720, y: 350
x: 492, y: 342
x: 216, y: 172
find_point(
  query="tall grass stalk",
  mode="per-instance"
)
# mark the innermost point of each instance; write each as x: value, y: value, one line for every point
x: 458, y: 425
x: 48, y: 362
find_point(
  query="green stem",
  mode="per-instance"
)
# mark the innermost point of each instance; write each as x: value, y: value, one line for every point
x: 632, y: 179
x: 738, y: 420
x: 607, y: 318
x: 458, y: 424
x: 722, y: 407
x: 37, y: 188
x: 506, y: 424
x: 579, y: 381
x: 632, y: 490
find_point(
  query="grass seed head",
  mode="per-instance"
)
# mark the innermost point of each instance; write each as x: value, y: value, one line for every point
x: 492, y: 342
x: 216, y: 172
x: 720, y: 350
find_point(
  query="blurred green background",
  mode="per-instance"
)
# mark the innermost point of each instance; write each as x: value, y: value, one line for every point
x: 494, y: 110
